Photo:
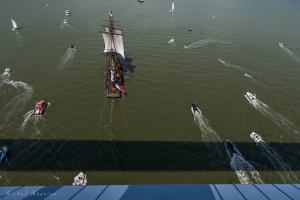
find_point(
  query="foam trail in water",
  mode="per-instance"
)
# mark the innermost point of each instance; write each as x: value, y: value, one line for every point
x: 290, y: 53
x: 171, y: 41
x: 202, y: 43
x: 280, y: 120
x: 244, y: 170
x: 283, y: 169
x: 66, y: 58
x: 26, y: 119
x: 18, y: 100
x: 210, y: 137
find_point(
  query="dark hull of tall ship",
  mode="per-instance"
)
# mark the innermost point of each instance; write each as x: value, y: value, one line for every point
x: 114, y: 79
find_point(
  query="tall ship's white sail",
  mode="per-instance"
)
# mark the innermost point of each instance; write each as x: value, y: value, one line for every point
x: 114, y: 44
x: 15, y: 25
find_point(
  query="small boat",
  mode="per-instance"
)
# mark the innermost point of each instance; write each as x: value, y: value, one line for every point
x: 40, y: 107
x: 190, y: 29
x: 171, y: 41
x: 248, y: 75
x: 231, y: 149
x: 256, y: 137
x: 72, y: 46
x: 15, y: 25
x: 220, y: 60
x: 141, y: 1
x: 280, y: 44
x: 8, y: 81
x: 172, y: 8
x: 3, y: 153
x: 65, y: 21
x: 68, y: 13
x: 195, y: 109
x: 7, y: 71
x: 251, y: 97
x: 80, y: 179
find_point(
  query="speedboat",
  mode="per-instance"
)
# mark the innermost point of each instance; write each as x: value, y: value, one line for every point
x: 280, y: 44
x: 220, y: 59
x: 195, y: 109
x: 72, y: 46
x: 68, y: 13
x: 256, y: 137
x: 8, y: 81
x: 171, y: 41
x: 141, y: 1
x: 80, y: 179
x: 231, y: 149
x: 40, y: 107
x: 3, y: 153
x: 65, y: 21
x: 7, y: 71
x: 251, y: 97
x: 190, y: 29
x: 248, y: 75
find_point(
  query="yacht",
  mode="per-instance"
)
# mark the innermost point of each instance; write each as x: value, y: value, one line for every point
x: 251, y: 97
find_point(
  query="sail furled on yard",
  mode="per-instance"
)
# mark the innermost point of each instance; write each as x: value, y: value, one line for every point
x: 114, y: 44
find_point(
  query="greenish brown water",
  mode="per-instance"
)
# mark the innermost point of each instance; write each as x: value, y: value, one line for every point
x: 150, y: 135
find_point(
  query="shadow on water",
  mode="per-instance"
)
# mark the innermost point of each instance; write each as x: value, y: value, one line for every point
x: 128, y: 65
x: 43, y: 155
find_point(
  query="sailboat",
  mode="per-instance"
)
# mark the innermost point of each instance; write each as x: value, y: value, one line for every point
x: 15, y: 25
x: 114, y: 50
x: 172, y: 9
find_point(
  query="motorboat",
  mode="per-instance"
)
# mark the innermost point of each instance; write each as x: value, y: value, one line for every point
x: 231, y: 149
x: 80, y: 179
x: 171, y: 41
x: 251, y: 97
x: 141, y: 1
x: 220, y: 59
x: 65, y: 21
x: 7, y: 71
x: 68, y: 13
x: 248, y: 75
x: 190, y: 29
x: 72, y: 46
x: 3, y: 153
x: 40, y: 107
x: 195, y: 109
x: 8, y: 81
x: 257, y: 138
x: 280, y: 44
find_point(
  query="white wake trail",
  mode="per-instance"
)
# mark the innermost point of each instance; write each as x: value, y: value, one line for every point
x: 67, y: 57
x: 244, y: 170
x: 280, y: 120
x: 18, y: 100
x: 26, y: 119
x: 290, y: 53
x: 283, y: 169
x: 206, y: 42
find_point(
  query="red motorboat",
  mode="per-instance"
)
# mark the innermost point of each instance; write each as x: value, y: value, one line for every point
x: 40, y: 107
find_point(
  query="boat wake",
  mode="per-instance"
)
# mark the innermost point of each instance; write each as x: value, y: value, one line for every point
x: 67, y: 57
x: 283, y: 169
x: 290, y: 53
x: 63, y: 25
x: 171, y: 41
x: 280, y: 120
x: 210, y: 137
x: 244, y: 170
x: 208, y: 42
x: 18, y: 100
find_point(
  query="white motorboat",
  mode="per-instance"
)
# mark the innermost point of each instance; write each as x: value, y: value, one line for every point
x: 7, y: 71
x: 248, y: 75
x: 251, y: 97
x: 195, y: 109
x: 280, y: 44
x: 80, y: 179
x: 171, y: 41
x: 68, y: 13
x: 141, y: 1
x: 3, y: 152
x: 256, y: 137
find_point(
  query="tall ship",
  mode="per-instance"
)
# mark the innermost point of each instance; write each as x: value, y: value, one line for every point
x: 114, y: 50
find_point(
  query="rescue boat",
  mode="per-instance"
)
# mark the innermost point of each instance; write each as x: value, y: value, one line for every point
x: 40, y: 107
